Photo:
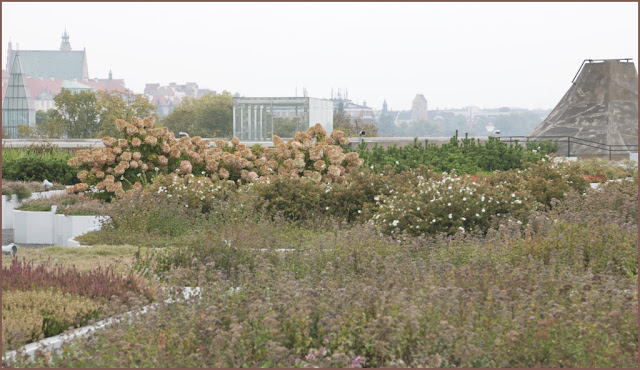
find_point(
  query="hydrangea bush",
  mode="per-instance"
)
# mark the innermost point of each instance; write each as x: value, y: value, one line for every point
x: 145, y: 151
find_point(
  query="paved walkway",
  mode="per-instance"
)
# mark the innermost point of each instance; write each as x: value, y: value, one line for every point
x: 7, y: 238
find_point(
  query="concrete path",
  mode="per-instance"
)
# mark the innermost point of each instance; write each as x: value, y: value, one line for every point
x: 7, y: 238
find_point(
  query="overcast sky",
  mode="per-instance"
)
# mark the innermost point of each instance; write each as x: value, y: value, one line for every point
x: 456, y: 54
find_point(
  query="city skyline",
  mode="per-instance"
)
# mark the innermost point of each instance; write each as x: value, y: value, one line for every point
x: 486, y: 55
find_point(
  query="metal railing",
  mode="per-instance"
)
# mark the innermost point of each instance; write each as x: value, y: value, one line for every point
x: 610, y: 148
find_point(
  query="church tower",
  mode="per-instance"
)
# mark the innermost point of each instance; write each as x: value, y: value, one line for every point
x: 65, y: 45
x: 419, y: 108
x: 8, y: 68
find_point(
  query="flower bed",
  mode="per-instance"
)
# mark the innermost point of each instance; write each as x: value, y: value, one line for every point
x: 44, y: 300
x: 522, y: 268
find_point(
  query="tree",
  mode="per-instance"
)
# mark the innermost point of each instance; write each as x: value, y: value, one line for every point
x: 386, y: 123
x: 77, y: 113
x: 341, y: 121
x: 120, y: 105
x: 209, y: 116
x: 41, y: 117
x: 46, y: 126
x: 90, y: 114
x: 26, y: 131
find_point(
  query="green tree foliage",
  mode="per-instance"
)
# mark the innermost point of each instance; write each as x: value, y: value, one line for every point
x: 90, y: 114
x: 386, y: 123
x: 341, y: 121
x: 26, y: 131
x: 209, y: 116
x: 77, y: 113
x: 46, y: 126
x: 120, y: 105
x: 42, y: 117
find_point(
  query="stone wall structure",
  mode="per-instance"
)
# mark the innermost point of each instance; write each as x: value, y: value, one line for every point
x: 600, y: 106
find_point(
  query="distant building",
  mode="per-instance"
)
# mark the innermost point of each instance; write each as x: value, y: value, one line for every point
x: 63, y: 64
x: 352, y: 110
x: 44, y: 90
x: 357, y: 111
x: 403, y: 117
x: 418, y: 112
x: 419, y: 108
x: 47, y: 72
x: 166, y: 98
x: 17, y: 107
x: 259, y: 118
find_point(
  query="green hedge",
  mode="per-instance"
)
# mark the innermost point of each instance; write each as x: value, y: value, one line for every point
x: 464, y: 155
x: 38, y: 163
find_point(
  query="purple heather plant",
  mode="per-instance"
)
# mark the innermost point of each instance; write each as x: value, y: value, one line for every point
x: 99, y: 283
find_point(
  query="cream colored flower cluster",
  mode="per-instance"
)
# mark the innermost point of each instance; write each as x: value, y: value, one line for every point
x: 146, y: 151
x: 321, y: 159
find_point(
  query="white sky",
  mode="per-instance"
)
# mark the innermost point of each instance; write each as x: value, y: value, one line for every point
x: 456, y: 54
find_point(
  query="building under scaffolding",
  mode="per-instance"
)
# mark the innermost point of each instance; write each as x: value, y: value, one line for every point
x: 261, y: 118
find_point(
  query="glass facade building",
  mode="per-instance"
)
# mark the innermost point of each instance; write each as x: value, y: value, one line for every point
x: 17, y: 107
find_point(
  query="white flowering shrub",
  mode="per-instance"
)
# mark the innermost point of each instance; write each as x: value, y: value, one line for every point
x: 449, y: 204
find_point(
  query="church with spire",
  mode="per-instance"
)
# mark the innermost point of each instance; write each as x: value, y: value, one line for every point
x: 63, y: 64
x: 44, y: 73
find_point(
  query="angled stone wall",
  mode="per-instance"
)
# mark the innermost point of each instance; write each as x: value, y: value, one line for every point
x: 601, y: 106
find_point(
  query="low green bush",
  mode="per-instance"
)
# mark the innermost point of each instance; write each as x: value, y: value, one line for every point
x: 450, y: 204
x: 39, y: 168
x: 462, y: 155
x: 610, y: 170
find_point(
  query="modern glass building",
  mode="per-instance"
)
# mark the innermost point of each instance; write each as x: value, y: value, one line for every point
x: 260, y: 118
x: 17, y: 107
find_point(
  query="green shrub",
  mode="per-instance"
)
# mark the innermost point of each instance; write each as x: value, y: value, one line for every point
x: 450, y: 204
x: 544, y: 180
x: 38, y: 163
x: 610, y: 170
x: 462, y: 155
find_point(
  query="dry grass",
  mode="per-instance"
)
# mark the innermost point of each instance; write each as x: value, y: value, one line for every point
x: 28, y: 316
x: 120, y: 257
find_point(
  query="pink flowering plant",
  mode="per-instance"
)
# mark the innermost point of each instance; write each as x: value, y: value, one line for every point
x: 145, y: 151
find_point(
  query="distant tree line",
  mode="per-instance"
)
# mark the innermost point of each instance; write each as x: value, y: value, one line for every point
x: 87, y: 114
x: 91, y: 114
